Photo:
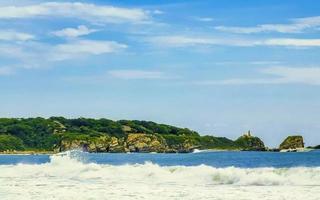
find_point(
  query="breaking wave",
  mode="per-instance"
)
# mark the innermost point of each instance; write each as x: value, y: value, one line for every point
x: 70, y: 172
x: 73, y: 163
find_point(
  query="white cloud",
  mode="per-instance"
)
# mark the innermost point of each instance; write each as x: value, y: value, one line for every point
x: 9, y: 35
x: 204, y: 19
x: 262, y: 28
x: 185, y: 41
x: 122, y: 74
x: 256, y: 62
x: 292, y: 42
x: 305, y: 75
x: 180, y: 41
x: 136, y: 74
x: 308, y: 21
x: 37, y: 54
x: 238, y: 82
x: 84, y: 48
x: 280, y: 75
x: 158, y: 12
x: 14, y: 51
x: 90, y: 47
x: 74, y: 32
x: 4, y: 71
x: 264, y: 62
x: 296, y: 26
x: 85, y: 11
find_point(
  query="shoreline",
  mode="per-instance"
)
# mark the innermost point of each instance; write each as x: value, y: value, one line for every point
x: 29, y: 152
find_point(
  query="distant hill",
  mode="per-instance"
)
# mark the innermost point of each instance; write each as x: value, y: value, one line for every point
x: 249, y: 143
x: 104, y: 135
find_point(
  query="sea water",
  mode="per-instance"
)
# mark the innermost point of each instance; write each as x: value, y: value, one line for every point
x: 202, y: 175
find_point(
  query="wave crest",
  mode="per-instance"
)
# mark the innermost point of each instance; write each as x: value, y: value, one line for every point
x: 69, y: 175
x: 74, y: 164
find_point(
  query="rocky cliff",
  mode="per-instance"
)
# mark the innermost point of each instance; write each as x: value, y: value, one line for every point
x: 292, y: 142
x: 145, y: 143
x: 134, y: 142
x: 96, y: 144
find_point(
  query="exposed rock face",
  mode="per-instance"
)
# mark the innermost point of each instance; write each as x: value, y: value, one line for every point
x: 250, y: 143
x: 186, y: 146
x: 116, y: 145
x: 292, y: 142
x: 100, y: 144
x: 133, y: 143
x: 146, y: 143
x: 143, y: 142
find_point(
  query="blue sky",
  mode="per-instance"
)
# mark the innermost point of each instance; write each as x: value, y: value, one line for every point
x: 218, y: 67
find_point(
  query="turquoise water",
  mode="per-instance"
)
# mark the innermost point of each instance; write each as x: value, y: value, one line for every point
x: 214, y: 159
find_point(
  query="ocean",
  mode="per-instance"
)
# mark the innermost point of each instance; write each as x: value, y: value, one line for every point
x: 202, y: 175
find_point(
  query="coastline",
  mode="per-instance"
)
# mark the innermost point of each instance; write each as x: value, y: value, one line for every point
x: 33, y: 152
x: 27, y: 152
x: 59, y: 134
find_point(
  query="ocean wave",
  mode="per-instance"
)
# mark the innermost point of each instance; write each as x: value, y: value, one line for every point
x: 199, y: 151
x: 74, y: 164
x: 69, y: 175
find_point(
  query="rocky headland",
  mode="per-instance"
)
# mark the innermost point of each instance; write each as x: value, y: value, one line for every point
x: 58, y: 134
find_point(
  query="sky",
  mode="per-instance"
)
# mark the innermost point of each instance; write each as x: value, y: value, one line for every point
x: 218, y: 67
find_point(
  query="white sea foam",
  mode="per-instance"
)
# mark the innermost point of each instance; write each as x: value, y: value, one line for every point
x: 68, y: 176
x: 207, y: 150
x: 198, y: 151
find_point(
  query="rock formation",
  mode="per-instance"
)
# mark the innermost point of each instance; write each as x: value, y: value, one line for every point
x: 292, y: 143
x: 250, y: 143
x: 99, y: 144
x: 146, y: 143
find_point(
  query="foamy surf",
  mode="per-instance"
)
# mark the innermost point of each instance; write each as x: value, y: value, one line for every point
x: 207, y: 150
x: 69, y: 175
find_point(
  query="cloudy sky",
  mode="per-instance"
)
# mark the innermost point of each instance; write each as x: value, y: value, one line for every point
x: 218, y: 67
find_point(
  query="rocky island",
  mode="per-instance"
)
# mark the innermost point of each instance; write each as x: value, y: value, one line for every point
x: 57, y: 134
x: 292, y: 143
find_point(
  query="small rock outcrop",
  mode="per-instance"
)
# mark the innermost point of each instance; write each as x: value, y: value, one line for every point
x: 250, y: 143
x: 292, y: 142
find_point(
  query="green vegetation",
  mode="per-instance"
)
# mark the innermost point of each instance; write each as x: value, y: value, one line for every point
x: 104, y: 135
x: 9, y: 142
x: 317, y: 147
x: 211, y: 142
x: 248, y: 143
